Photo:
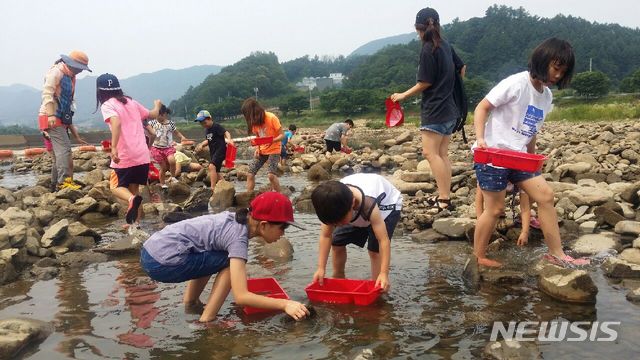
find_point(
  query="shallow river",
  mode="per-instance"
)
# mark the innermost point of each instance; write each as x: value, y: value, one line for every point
x: 112, y: 310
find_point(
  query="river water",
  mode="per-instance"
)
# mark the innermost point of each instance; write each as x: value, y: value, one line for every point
x: 113, y: 310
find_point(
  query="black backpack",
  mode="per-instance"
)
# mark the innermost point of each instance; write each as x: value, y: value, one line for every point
x: 460, y: 98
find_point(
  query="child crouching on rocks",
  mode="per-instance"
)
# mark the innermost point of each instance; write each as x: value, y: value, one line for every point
x: 193, y: 250
x: 518, y: 106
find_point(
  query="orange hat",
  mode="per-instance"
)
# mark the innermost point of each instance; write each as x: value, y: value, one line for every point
x: 76, y: 59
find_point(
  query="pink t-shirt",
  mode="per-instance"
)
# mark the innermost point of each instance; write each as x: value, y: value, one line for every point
x: 132, y: 145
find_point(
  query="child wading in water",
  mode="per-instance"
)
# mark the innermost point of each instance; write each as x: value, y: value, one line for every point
x: 162, y: 149
x: 518, y: 106
x: 359, y: 209
x: 129, y: 153
x: 193, y: 250
x: 217, y: 139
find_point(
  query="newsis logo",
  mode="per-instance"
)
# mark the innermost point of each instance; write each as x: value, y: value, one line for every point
x: 552, y: 331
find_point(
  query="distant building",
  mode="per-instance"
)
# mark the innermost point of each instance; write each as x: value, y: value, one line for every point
x: 334, y: 80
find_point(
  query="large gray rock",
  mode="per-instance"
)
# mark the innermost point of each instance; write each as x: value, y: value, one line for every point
x: 93, y: 177
x: 571, y: 169
x: 589, y: 196
x: 318, y: 173
x: 69, y: 194
x: 413, y: 187
x: 618, y: 268
x: 178, y: 189
x: 428, y: 236
x: 176, y: 216
x: 453, y: 227
x: 19, y: 333
x: 605, y: 215
x: 81, y: 259
x: 416, y: 176
x: 592, y: 244
x: 569, y: 285
x: 18, y: 235
x: 77, y: 228
x: 43, y: 216
x: 223, y: 195
x: 634, y: 295
x: 280, y: 250
x: 404, y: 137
x: 631, y: 255
x: 630, y: 194
x: 84, y: 205
x: 7, y: 269
x: 5, y: 239
x: 198, y: 200
x: 628, y: 227
x: 512, y: 349
x: 54, y: 233
x: 13, y: 215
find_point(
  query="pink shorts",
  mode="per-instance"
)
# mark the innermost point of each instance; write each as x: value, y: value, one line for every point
x: 160, y: 155
x: 48, y: 145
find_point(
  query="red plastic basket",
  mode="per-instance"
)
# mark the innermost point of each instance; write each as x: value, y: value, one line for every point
x: 230, y: 158
x: 299, y: 149
x: 262, y: 140
x: 266, y: 287
x: 509, y: 159
x: 106, y: 145
x: 344, y: 291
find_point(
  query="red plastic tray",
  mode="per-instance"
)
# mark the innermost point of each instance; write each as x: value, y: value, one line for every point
x: 230, y: 158
x: 509, y: 159
x: 262, y: 140
x: 266, y: 287
x: 343, y: 291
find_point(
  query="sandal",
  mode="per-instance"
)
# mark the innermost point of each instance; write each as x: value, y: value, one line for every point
x: 566, y: 261
x: 438, y: 204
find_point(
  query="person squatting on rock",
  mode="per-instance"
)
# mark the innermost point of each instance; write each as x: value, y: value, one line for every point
x: 510, y: 117
x: 262, y: 124
x: 129, y: 153
x: 56, y: 115
x: 359, y: 209
x: 336, y: 136
x: 193, y: 250
x: 439, y: 113
x: 216, y: 138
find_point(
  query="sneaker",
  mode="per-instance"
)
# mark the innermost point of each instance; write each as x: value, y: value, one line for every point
x: 68, y: 183
x: 164, y: 186
x: 567, y: 261
x: 132, y: 210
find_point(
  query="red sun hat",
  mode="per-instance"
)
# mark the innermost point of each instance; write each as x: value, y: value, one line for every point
x: 273, y: 207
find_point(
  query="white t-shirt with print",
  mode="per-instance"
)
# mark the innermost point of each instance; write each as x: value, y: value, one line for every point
x: 519, y: 112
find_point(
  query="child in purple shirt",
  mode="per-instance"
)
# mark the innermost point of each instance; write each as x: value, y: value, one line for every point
x: 193, y: 250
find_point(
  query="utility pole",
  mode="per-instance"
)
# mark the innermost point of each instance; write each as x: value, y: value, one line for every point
x: 310, y: 102
x: 255, y: 89
x: 590, y: 63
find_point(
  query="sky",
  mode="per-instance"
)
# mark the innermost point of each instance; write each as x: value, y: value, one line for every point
x: 130, y: 37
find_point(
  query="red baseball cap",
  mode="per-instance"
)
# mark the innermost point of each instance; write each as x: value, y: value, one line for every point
x: 272, y: 206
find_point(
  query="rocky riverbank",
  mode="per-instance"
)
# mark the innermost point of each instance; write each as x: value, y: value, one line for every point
x: 593, y: 168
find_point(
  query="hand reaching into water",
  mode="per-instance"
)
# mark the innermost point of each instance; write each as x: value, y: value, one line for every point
x: 296, y: 310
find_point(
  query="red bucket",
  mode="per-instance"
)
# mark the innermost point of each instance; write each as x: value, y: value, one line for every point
x: 515, y: 160
x: 154, y: 173
x: 106, y: 145
x: 268, y: 287
x: 230, y: 158
x: 262, y: 140
x: 344, y: 291
x: 395, y: 115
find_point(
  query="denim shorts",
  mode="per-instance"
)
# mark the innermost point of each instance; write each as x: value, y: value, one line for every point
x: 496, y: 179
x: 347, y: 234
x: 444, y: 129
x: 195, y: 266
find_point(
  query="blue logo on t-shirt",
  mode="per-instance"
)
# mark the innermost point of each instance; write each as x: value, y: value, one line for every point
x: 532, y: 118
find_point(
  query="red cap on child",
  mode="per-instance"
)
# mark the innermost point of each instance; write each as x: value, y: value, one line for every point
x: 273, y: 207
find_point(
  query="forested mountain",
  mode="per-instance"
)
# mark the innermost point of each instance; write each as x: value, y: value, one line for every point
x: 235, y: 83
x: 317, y: 67
x: 499, y: 44
x: 374, y: 46
x: 494, y: 46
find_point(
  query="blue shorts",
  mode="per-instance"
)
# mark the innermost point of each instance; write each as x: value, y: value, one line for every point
x: 283, y: 152
x: 444, y: 129
x: 347, y: 234
x: 496, y: 179
x: 196, y: 265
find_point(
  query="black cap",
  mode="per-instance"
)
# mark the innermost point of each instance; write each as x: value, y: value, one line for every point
x: 108, y: 82
x: 425, y: 14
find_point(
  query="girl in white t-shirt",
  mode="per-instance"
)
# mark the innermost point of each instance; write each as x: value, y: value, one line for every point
x: 517, y: 108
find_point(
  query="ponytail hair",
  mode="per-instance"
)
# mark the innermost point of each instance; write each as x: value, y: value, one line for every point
x: 431, y: 33
x: 242, y: 216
